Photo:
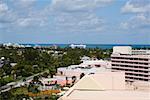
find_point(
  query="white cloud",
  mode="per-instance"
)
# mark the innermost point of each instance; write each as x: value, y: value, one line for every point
x: 20, y: 14
x: 30, y: 21
x: 78, y: 22
x: 3, y: 8
x: 140, y: 19
x: 136, y: 6
x: 23, y: 3
x: 7, y: 17
x: 77, y: 15
x: 78, y: 5
x: 63, y: 15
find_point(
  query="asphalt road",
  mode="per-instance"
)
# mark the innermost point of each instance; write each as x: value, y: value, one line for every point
x: 19, y: 83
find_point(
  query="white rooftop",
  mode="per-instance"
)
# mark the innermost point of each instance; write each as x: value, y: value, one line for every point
x: 129, y: 50
x: 104, y: 86
x: 108, y: 95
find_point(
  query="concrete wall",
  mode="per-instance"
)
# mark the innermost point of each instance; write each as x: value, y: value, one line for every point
x: 122, y: 50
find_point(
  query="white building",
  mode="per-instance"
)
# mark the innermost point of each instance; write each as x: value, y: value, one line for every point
x: 135, y: 63
x: 85, y: 58
x: 96, y: 63
x: 105, y: 86
x: 77, y: 46
x: 86, y: 67
x: 14, y: 45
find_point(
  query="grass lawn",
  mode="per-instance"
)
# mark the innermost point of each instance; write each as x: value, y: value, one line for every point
x: 20, y: 90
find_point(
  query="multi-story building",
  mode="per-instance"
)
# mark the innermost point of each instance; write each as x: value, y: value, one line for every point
x: 135, y: 63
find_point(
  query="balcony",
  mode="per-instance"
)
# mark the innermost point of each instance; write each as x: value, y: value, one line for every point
x: 118, y: 63
x: 139, y: 61
x: 130, y: 68
x: 138, y: 77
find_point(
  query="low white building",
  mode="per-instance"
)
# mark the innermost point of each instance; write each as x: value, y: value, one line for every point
x: 77, y: 72
x: 85, y: 58
x: 77, y: 46
x: 96, y: 63
x: 88, y: 67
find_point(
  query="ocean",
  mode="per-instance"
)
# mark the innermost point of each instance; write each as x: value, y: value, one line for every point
x: 102, y: 46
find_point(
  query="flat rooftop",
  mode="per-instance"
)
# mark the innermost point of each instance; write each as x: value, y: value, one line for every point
x: 108, y: 95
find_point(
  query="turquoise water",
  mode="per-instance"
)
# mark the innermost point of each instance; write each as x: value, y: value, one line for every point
x: 102, y: 46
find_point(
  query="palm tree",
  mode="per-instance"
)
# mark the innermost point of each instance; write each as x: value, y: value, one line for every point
x: 35, y: 78
x: 66, y: 81
x: 52, y: 71
x: 73, y: 79
x: 81, y: 75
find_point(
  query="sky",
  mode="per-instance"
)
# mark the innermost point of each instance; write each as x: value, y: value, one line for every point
x: 75, y: 21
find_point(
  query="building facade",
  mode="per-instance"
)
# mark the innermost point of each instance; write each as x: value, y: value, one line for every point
x: 135, y: 63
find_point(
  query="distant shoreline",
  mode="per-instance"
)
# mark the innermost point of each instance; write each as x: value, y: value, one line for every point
x: 102, y: 46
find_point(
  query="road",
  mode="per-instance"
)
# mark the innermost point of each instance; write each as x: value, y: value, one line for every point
x: 19, y: 83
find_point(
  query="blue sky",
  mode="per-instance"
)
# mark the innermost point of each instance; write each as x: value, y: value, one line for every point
x: 75, y: 21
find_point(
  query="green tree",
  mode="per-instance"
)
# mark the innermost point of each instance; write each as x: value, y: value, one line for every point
x: 1, y: 72
x: 7, y: 68
x: 52, y: 71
